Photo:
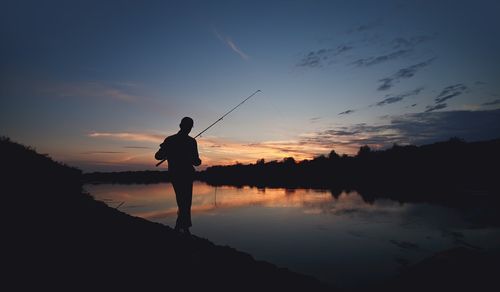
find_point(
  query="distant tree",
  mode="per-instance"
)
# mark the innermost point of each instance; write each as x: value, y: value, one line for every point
x: 260, y: 161
x: 364, y: 151
x: 333, y: 155
x: 320, y: 157
x: 289, y: 161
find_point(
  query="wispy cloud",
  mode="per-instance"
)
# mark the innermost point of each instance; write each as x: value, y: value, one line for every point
x: 403, y: 73
x: 127, y: 136
x: 137, y: 147
x: 493, y: 102
x: 399, y: 47
x: 431, y: 108
x: 370, y: 61
x: 365, y: 26
x: 416, y: 128
x: 102, y: 152
x: 450, y: 92
x: 399, y: 97
x: 319, y: 57
x: 388, y: 99
x: 390, y: 49
x: 231, y: 44
x: 215, y: 150
x: 410, y: 42
x: 347, y: 112
x: 118, y: 91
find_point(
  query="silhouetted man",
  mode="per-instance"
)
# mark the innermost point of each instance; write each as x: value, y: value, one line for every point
x: 182, y: 154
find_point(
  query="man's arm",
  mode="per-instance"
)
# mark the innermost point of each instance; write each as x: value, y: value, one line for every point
x: 196, y: 156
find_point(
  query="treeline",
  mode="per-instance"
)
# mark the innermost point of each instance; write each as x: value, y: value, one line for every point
x: 453, y: 164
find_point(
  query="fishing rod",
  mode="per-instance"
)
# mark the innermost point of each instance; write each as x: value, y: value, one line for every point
x: 220, y: 119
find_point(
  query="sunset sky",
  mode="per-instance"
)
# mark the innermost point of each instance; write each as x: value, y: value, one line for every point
x: 99, y: 84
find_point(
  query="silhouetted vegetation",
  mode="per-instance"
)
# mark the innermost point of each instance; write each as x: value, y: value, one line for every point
x: 452, y: 165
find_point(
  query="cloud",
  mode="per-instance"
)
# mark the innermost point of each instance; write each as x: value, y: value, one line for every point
x: 229, y: 42
x: 416, y: 128
x: 493, y: 102
x: 403, y: 73
x: 233, y: 46
x: 436, y: 126
x: 92, y: 92
x: 450, y: 92
x: 103, y: 152
x: 317, y: 58
x: 217, y: 151
x: 399, y: 97
x: 431, y: 108
x: 389, y: 100
x: 137, y: 147
x: 411, y: 42
x: 366, y: 62
x: 121, y: 92
x: 127, y: 136
x: 313, y: 59
x: 365, y: 26
x: 400, y: 47
x: 347, y: 112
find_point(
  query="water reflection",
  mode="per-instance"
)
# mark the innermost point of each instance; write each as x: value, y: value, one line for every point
x: 157, y: 201
x: 335, y: 236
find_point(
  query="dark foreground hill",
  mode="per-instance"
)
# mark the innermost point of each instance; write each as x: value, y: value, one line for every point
x: 58, y: 238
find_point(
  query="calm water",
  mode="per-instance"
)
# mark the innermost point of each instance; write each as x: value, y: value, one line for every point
x: 339, y: 239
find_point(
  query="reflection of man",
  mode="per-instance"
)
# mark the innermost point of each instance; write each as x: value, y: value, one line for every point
x: 182, y: 154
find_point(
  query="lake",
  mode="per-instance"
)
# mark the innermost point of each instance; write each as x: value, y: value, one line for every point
x: 338, y: 238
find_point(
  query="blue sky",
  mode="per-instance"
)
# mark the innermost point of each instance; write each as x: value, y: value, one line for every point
x: 99, y: 84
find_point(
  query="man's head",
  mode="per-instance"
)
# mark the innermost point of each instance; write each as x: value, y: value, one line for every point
x: 186, y: 125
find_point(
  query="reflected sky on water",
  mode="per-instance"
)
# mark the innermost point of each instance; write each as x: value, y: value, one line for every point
x: 338, y: 238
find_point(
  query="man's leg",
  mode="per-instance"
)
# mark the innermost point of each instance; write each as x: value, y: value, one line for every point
x: 188, y: 201
x: 183, y: 193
